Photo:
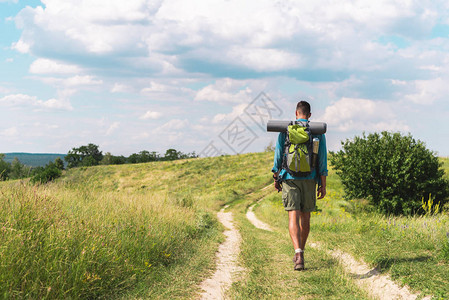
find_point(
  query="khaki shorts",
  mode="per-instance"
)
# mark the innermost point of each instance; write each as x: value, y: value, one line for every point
x: 299, y: 195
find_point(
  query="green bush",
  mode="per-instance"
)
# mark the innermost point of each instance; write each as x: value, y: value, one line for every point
x: 392, y: 171
x: 49, y: 173
x: 5, y: 168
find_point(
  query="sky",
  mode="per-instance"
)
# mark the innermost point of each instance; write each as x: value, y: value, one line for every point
x: 205, y: 76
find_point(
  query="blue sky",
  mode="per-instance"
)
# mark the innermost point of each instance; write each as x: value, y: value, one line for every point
x: 151, y: 75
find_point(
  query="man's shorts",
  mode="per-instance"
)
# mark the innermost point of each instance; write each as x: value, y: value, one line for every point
x: 299, y: 195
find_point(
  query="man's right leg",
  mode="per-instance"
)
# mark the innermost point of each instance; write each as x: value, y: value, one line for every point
x: 304, y: 229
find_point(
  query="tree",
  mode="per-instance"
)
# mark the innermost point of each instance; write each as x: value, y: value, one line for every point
x: 142, y: 157
x: 392, y: 171
x: 45, y: 174
x: 5, y: 168
x: 188, y: 155
x: 133, y: 158
x: 19, y: 170
x: 146, y: 156
x: 172, y: 154
x: 88, y: 155
x: 107, y: 159
x: 59, y: 163
x: 270, y: 147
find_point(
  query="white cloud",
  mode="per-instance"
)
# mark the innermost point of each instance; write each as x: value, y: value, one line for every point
x: 151, y: 115
x: 173, y: 90
x: 57, y: 104
x: 21, y: 46
x: 9, y: 132
x: 172, y: 133
x: 120, y: 88
x: 172, y: 126
x: 73, y: 82
x: 237, y: 110
x: 428, y: 91
x: 155, y: 87
x: 112, y: 128
x: 48, y: 66
x: 264, y: 60
x: 24, y: 101
x: 176, y: 51
x: 225, y: 90
x: 82, y: 80
x: 357, y: 115
x: 258, y: 35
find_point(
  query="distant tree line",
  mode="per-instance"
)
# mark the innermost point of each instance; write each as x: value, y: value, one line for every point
x: 17, y: 170
x: 91, y: 155
x: 83, y: 156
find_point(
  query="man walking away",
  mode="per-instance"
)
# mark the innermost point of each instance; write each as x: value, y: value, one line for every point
x: 298, y: 191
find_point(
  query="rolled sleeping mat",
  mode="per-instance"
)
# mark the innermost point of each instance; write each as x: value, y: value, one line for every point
x: 281, y: 126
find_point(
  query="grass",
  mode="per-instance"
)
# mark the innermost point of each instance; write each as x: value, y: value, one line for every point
x: 119, y: 231
x: 150, y: 231
x: 267, y: 257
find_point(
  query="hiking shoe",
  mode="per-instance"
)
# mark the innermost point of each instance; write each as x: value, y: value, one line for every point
x: 298, y: 260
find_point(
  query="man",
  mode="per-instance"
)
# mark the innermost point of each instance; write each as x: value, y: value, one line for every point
x: 298, y: 193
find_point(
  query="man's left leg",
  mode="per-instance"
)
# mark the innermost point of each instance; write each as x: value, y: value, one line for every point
x: 304, y: 228
x: 299, y: 228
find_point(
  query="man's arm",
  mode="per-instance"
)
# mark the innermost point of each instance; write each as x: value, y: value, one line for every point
x: 321, y: 191
x: 277, y: 165
x: 278, y: 153
x: 322, y: 168
x: 277, y: 183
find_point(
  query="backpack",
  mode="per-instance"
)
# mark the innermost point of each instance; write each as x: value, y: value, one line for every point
x: 298, y: 158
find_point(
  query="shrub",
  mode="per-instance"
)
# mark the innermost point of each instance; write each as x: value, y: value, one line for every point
x: 392, y: 171
x: 49, y: 173
x: 5, y: 168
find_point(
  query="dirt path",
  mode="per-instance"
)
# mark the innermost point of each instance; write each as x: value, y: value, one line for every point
x: 216, y: 286
x: 256, y: 222
x: 378, y: 286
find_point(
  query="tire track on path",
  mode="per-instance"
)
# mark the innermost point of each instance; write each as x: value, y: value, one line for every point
x: 216, y: 286
x: 377, y: 285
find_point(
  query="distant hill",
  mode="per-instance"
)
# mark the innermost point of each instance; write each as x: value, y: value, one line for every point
x: 33, y: 159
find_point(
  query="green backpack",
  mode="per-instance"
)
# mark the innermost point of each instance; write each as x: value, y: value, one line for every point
x: 298, y: 147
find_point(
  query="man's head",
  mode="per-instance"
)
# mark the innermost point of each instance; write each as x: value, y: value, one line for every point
x: 303, y: 110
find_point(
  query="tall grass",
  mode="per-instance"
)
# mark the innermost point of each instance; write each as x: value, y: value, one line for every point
x: 119, y: 231
x: 70, y: 244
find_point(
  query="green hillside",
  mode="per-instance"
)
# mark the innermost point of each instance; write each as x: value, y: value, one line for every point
x: 33, y: 159
x: 144, y: 229
x: 150, y: 231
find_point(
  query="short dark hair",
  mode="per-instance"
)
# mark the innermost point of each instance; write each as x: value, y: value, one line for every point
x: 303, y: 107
